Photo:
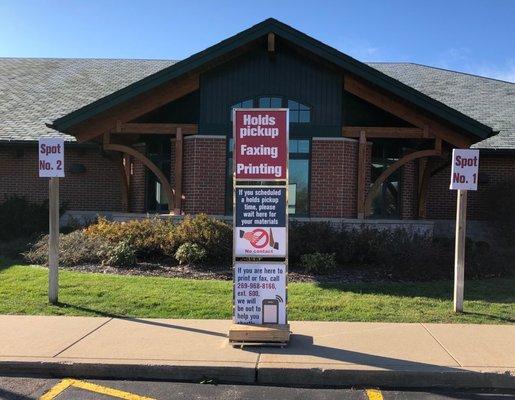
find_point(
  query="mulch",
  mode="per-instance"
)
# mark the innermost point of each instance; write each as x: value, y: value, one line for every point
x: 191, y: 272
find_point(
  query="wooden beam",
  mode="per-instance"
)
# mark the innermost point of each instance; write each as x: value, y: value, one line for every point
x: 150, y: 165
x: 384, y: 132
x: 394, y: 167
x: 459, y: 249
x: 271, y: 42
x: 362, y: 155
x: 402, y: 110
x: 136, y: 107
x: 156, y: 128
x: 178, y: 171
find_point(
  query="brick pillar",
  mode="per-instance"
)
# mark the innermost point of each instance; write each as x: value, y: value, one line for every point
x: 138, y: 181
x: 408, y: 187
x: 204, y: 174
x: 334, y: 174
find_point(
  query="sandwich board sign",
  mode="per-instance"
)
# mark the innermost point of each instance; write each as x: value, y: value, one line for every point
x: 464, y: 177
x: 260, y: 224
x: 51, y: 165
x: 260, y: 144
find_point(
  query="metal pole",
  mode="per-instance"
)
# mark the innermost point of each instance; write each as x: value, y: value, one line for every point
x: 459, y: 251
x: 53, y: 241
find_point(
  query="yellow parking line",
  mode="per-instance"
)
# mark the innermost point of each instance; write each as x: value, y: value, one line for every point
x: 91, y: 387
x: 57, y: 389
x: 374, y: 394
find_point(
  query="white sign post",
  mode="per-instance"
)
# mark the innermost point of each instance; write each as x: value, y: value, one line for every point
x: 464, y: 177
x: 51, y: 165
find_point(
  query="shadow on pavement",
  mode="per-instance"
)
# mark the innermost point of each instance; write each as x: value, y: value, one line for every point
x: 143, y: 321
x: 304, y: 345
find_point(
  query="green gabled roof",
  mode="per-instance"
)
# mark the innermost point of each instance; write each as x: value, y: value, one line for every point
x: 296, y: 37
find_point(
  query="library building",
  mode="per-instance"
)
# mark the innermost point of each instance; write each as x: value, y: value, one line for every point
x: 369, y: 143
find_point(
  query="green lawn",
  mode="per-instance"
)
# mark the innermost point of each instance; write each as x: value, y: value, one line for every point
x: 23, y: 290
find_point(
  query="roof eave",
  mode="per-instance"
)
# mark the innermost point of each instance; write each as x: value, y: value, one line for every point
x: 300, y: 39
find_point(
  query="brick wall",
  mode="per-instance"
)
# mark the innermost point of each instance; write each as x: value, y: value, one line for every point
x: 408, y: 191
x: 203, y: 177
x: 334, y: 177
x: 98, y: 188
x: 493, y: 170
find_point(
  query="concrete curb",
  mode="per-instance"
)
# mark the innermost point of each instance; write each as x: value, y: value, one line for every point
x: 280, y: 376
x: 192, y: 373
x: 438, y: 378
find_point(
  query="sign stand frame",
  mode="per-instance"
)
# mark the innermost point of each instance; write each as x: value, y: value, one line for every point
x: 459, y: 250
x: 53, y: 240
x: 262, y: 334
x: 464, y: 177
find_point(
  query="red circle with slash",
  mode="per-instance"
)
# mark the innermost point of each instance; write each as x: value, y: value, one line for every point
x: 258, y: 235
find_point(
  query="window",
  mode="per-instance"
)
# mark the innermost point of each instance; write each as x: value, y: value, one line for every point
x: 298, y: 171
x: 242, y: 104
x: 270, y: 102
x: 299, y: 113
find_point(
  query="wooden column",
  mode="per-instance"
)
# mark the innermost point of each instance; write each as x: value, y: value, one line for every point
x: 362, y: 155
x: 178, y: 171
x: 459, y: 253
x: 53, y: 240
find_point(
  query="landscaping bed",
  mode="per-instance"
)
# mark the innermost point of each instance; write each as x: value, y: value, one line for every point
x: 201, y: 247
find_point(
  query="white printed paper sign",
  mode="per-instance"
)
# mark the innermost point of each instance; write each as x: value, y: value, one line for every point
x: 51, y: 158
x: 260, y: 293
x: 465, y: 169
x: 260, y: 221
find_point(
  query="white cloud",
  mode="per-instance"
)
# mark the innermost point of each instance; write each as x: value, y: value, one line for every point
x: 459, y: 59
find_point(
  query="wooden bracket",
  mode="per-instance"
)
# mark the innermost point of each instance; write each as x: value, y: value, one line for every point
x: 148, y: 163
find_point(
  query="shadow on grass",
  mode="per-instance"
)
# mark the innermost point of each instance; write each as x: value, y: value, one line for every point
x: 141, y: 321
x: 495, y: 290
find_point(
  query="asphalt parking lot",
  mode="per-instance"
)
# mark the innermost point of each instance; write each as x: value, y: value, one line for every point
x: 22, y: 388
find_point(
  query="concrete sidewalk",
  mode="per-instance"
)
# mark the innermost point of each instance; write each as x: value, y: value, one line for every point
x: 319, y: 353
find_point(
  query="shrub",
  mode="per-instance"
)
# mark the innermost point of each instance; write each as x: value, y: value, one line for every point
x: 21, y: 218
x: 75, y: 248
x: 190, y: 253
x: 213, y: 235
x: 312, y: 237
x: 501, y: 211
x: 121, y: 254
x: 319, y: 263
x: 149, y: 238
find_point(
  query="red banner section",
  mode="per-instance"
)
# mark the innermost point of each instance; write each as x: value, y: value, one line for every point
x: 260, y: 144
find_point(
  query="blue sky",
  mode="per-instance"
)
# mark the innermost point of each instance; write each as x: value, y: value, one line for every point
x: 475, y: 36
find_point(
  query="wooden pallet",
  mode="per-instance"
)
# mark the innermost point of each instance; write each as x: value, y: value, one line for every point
x: 259, y: 335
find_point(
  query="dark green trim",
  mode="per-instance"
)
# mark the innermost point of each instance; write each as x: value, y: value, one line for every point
x: 296, y: 37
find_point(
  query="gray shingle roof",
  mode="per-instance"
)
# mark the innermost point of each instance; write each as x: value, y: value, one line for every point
x: 36, y: 91
x: 489, y: 101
